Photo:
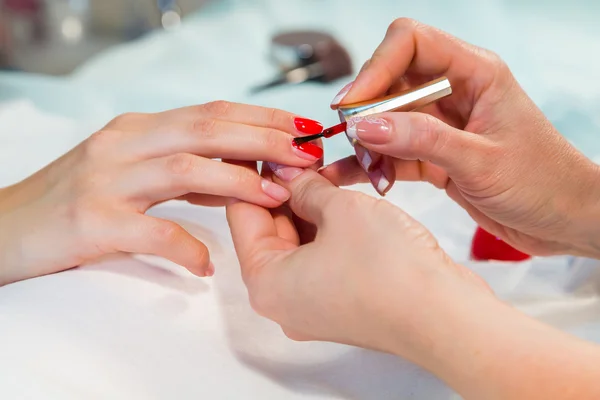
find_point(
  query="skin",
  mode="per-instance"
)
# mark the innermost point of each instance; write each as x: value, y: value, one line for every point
x: 387, y: 285
x: 399, y: 294
x: 487, y: 145
x: 91, y: 202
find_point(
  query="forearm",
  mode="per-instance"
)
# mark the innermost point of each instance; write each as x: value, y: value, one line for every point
x: 485, y: 349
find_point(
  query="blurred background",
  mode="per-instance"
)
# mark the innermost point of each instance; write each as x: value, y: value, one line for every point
x: 55, y: 36
x: 89, y: 60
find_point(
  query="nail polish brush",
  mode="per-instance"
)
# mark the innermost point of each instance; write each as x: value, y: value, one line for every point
x: 409, y: 100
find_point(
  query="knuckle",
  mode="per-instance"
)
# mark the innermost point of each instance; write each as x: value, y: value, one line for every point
x: 244, y: 178
x: 204, y: 126
x: 126, y: 119
x: 101, y: 142
x: 218, y: 108
x: 302, y: 192
x: 270, y: 139
x: 493, y: 62
x: 293, y: 335
x: 277, y: 118
x: 427, y: 134
x: 272, y: 115
x: 181, y: 164
x: 403, y: 23
x: 261, y: 302
x: 165, y: 232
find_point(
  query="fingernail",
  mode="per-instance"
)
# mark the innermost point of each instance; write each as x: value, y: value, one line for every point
x: 369, y: 129
x: 340, y: 96
x: 284, y: 172
x: 366, y: 159
x: 380, y: 182
x: 308, y: 151
x: 210, y: 271
x: 308, y: 126
x: 275, y: 191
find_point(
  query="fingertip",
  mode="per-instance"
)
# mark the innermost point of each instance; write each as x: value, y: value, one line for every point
x: 210, y: 270
x: 200, y: 264
x: 341, y: 95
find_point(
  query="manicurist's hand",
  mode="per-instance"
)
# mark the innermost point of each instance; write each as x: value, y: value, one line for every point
x: 487, y: 145
x: 368, y: 264
x: 344, y: 267
x: 92, y: 201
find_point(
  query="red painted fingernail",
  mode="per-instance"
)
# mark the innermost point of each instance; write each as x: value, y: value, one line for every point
x: 308, y: 126
x: 309, y: 148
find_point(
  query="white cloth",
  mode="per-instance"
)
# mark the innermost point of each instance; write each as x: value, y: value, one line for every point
x: 141, y: 328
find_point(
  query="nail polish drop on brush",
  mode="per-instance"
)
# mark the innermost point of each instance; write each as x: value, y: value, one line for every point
x: 487, y: 247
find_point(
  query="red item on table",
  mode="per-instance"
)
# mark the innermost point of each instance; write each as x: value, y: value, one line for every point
x: 487, y: 247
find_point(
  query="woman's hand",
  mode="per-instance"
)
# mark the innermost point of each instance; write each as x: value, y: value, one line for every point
x: 373, y: 277
x: 92, y: 201
x: 487, y: 145
x: 368, y: 259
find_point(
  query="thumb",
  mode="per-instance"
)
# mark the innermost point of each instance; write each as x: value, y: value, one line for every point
x: 419, y: 136
x: 311, y: 193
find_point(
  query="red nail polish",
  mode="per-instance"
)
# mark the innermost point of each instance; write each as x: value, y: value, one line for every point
x: 487, y: 247
x: 309, y: 148
x: 308, y: 126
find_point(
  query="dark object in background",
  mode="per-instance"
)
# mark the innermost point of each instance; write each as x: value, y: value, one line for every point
x: 296, y: 48
x: 307, y: 56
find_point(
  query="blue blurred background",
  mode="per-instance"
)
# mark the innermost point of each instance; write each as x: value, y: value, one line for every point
x: 92, y: 59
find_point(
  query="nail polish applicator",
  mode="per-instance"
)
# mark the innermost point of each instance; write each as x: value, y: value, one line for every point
x: 409, y: 100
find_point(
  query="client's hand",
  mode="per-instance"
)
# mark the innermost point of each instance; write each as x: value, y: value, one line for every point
x: 92, y: 201
x: 368, y: 260
x: 487, y: 145
x: 374, y: 277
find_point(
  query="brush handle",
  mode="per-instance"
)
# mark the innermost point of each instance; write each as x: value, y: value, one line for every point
x: 409, y: 100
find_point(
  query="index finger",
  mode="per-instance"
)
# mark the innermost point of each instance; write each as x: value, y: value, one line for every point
x: 411, y: 47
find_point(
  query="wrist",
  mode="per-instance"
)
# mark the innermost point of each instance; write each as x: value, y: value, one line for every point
x: 484, y: 348
x: 583, y: 233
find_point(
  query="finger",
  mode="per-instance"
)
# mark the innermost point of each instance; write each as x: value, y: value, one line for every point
x: 254, y: 235
x: 148, y: 235
x: 174, y: 176
x: 208, y: 200
x: 311, y: 194
x: 345, y: 172
x: 348, y: 172
x: 286, y: 229
x: 242, y: 114
x: 212, y: 138
x: 409, y: 46
x: 418, y: 136
x: 383, y: 177
x: 205, y: 200
x: 282, y: 216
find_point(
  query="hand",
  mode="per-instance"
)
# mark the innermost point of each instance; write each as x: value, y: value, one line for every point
x: 373, y: 277
x: 364, y: 279
x: 92, y: 201
x: 487, y: 145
